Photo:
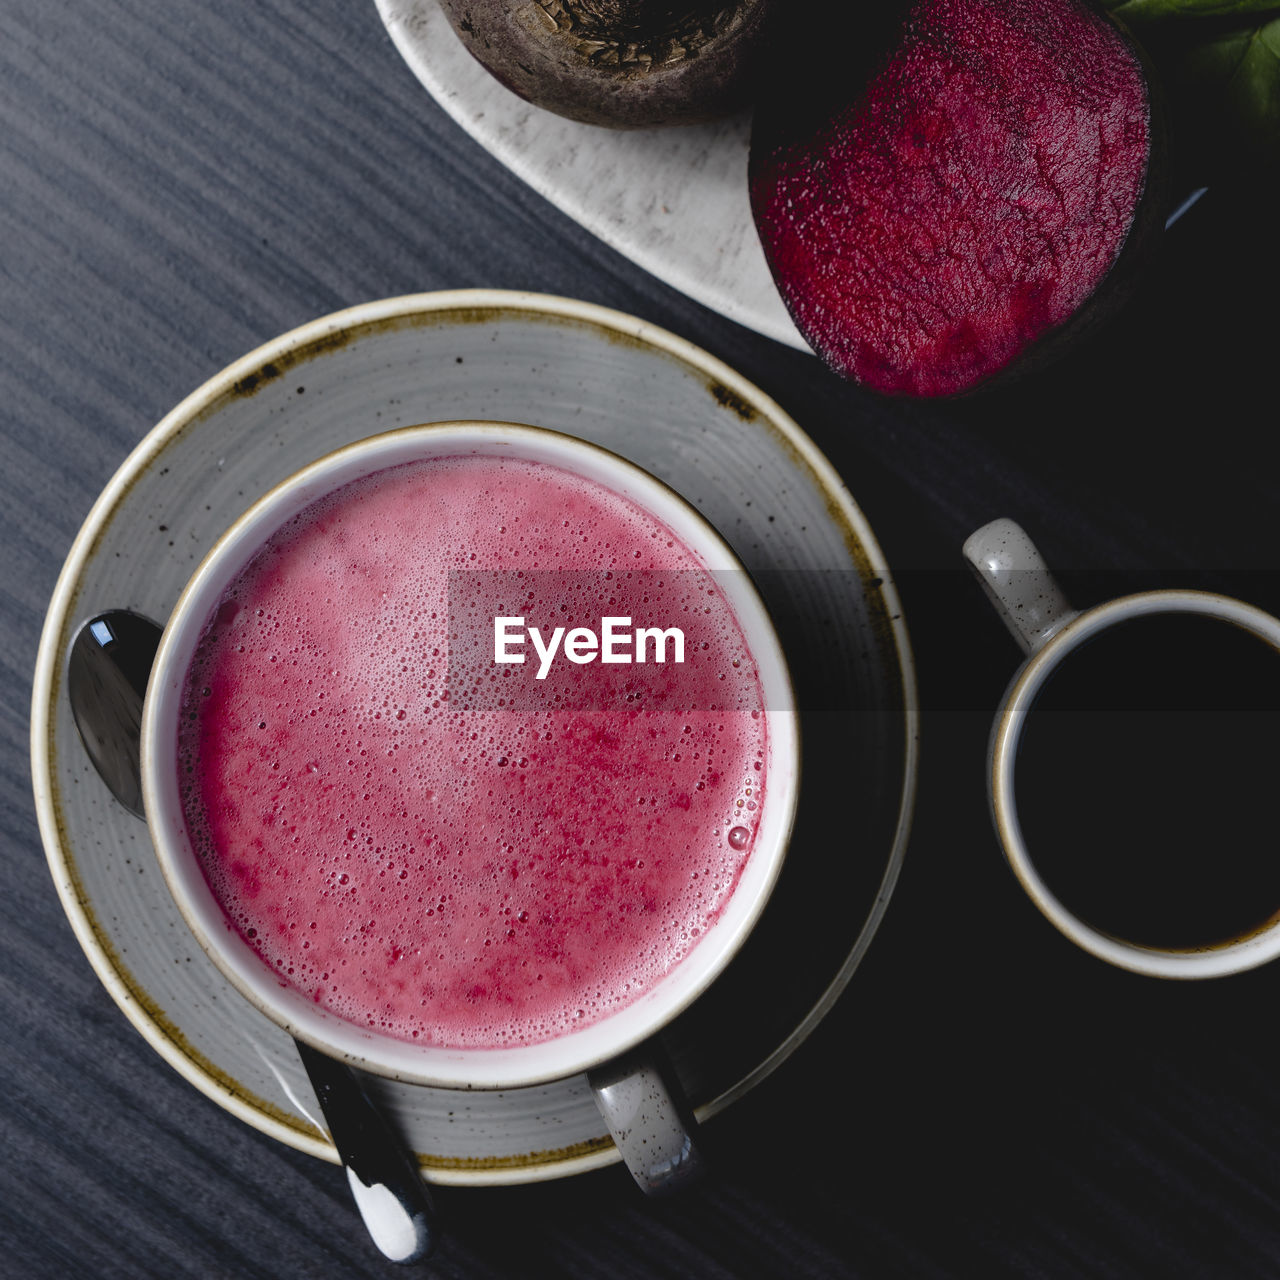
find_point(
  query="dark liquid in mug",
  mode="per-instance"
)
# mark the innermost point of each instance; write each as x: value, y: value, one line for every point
x: 1147, y: 778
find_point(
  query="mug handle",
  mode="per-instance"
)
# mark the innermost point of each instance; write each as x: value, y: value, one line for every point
x: 1018, y: 583
x: 653, y: 1134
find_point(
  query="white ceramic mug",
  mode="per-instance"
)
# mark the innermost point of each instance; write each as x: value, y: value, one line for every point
x: 1048, y: 629
x: 637, y: 1103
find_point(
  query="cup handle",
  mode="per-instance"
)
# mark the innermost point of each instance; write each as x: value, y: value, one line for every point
x: 653, y: 1135
x: 1019, y: 583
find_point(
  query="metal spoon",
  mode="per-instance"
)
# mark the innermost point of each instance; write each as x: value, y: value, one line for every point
x: 110, y: 661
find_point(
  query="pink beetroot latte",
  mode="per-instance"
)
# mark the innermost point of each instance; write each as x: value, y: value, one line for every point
x: 440, y: 848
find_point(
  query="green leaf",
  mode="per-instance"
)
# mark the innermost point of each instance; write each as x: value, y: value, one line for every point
x: 1141, y: 13
x: 1234, y: 79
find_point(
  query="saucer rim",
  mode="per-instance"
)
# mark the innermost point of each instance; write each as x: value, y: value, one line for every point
x: 160, y: 1032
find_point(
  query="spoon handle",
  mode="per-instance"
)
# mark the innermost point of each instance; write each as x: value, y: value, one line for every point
x: 108, y: 666
x: 385, y: 1182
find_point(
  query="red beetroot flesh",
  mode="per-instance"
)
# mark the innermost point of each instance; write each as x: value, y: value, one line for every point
x: 971, y: 200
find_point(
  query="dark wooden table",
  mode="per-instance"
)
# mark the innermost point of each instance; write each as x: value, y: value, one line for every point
x: 180, y: 182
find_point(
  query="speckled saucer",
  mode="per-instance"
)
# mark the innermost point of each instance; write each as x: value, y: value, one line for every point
x: 643, y: 393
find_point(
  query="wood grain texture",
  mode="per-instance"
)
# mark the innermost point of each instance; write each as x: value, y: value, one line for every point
x: 178, y: 183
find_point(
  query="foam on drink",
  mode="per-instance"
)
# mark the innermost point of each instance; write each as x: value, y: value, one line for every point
x: 440, y: 848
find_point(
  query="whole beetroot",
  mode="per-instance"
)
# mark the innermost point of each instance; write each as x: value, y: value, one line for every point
x: 620, y: 63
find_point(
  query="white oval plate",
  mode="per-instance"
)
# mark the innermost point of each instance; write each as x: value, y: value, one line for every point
x: 674, y: 201
x: 626, y: 385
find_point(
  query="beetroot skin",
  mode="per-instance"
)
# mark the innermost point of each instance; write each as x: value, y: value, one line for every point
x: 929, y: 232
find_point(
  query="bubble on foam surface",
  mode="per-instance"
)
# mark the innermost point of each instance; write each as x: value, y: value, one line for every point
x: 443, y: 868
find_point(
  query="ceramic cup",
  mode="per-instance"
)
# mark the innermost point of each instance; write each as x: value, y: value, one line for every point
x: 1048, y: 629
x: 643, y: 1111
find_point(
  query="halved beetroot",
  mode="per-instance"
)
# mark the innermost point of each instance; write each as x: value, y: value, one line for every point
x: 942, y: 221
